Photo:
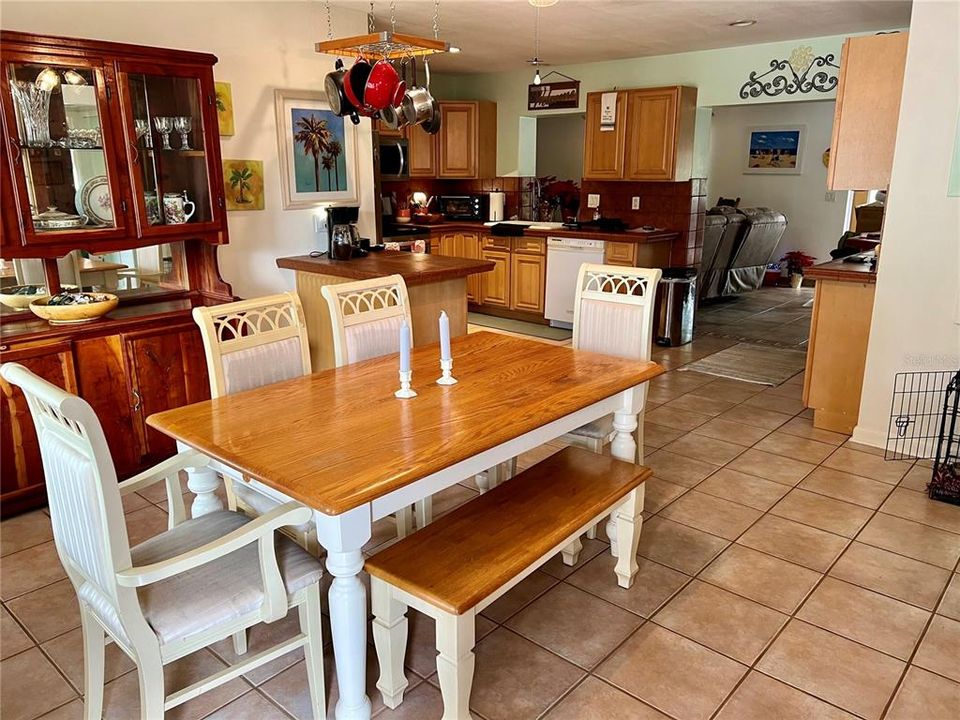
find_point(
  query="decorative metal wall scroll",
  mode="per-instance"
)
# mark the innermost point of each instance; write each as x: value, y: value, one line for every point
x: 801, y: 73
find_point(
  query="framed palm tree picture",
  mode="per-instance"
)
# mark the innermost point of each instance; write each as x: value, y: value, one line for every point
x: 318, y: 152
x: 243, y: 184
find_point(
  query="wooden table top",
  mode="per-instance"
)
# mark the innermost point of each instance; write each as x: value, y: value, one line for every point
x: 843, y: 271
x: 339, y: 438
x: 86, y: 265
x: 415, y: 268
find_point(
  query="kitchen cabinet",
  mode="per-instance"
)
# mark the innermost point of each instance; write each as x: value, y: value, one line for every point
x: 652, y: 137
x: 467, y: 141
x: 495, y: 285
x: 421, y: 153
x: 21, y: 468
x: 465, y: 245
x: 527, y: 282
x: 867, y: 111
x: 620, y: 253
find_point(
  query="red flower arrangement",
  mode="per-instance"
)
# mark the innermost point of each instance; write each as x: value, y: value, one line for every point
x: 796, y: 261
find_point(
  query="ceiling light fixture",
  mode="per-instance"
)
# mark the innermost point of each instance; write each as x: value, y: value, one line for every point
x: 454, y: 49
x: 742, y: 23
x: 536, y: 39
x: 543, y: 3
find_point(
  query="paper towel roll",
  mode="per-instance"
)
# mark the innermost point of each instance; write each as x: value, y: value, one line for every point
x: 497, y: 202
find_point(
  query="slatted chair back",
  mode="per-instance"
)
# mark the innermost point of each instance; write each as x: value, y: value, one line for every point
x: 613, y: 311
x: 366, y: 317
x: 255, y: 342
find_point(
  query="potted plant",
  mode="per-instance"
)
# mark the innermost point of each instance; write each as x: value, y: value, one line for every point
x: 796, y: 261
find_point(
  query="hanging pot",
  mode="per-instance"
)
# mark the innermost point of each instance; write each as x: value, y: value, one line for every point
x: 431, y: 123
x: 390, y: 117
x: 354, y: 84
x: 333, y: 84
x: 381, y: 86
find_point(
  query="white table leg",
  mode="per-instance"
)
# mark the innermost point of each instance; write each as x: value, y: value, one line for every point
x: 203, y: 483
x: 623, y: 447
x: 343, y: 536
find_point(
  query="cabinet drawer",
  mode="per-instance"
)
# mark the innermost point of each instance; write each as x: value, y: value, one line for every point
x: 620, y: 253
x: 492, y: 242
x: 530, y: 246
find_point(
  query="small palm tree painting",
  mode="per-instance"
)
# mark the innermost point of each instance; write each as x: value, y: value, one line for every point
x: 224, y: 100
x: 243, y: 184
x: 318, y: 159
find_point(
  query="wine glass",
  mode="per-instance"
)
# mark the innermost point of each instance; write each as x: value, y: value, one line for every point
x: 183, y: 125
x: 164, y: 126
x: 142, y: 127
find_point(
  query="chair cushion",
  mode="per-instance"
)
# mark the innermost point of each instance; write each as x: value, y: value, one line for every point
x: 219, y: 591
x: 598, y: 429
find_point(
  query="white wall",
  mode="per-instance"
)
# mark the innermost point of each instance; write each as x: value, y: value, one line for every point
x: 261, y: 46
x: 915, y: 315
x: 813, y: 224
x: 560, y: 146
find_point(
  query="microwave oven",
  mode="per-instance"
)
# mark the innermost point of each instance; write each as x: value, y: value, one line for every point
x: 393, y: 159
x: 464, y: 207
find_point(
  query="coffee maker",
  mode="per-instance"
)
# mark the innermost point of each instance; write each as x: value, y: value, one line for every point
x: 344, y: 238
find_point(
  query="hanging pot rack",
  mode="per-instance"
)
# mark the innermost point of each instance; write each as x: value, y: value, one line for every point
x: 386, y: 44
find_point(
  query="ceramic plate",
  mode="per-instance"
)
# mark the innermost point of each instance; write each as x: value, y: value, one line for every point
x: 94, y: 200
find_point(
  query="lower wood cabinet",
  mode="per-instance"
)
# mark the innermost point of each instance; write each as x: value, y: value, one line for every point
x: 495, y: 285
x: 466, y: 245
x: 620, y: 253
x: 125, y: 376
x: 527, y: 278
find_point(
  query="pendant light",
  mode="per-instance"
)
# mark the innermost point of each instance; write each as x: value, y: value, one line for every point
x: 536, y: 44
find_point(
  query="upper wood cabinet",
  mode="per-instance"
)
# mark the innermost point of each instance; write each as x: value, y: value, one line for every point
x: 652, y: 137
x: 467, y: 139
x: 867, y: 112
x: 421, y: 153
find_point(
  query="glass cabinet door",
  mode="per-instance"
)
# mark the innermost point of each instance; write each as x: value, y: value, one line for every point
x: 59, y: 128
x: 170, y: 157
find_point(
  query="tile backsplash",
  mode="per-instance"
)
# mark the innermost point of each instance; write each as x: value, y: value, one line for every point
x: 518, y: 199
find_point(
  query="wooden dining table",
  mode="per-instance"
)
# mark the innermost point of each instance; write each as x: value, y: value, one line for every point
x: 339, y: 442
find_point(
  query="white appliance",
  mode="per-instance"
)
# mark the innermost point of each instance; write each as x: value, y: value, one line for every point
x: 497, y: 202
x: 564, y: 257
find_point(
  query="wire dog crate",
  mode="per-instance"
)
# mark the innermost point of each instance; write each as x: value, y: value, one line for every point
x: 923, y: 424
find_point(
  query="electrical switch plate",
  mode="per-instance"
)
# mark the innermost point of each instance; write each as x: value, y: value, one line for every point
x: 829, y: 196
x: 635, y: 202
x: 320, y: 223
x: 593, y: 200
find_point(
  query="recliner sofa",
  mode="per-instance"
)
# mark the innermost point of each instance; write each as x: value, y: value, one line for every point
x: 745, y: 247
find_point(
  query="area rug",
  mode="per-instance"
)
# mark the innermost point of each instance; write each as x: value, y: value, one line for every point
x: 752, y: 363
x: 522, y: 327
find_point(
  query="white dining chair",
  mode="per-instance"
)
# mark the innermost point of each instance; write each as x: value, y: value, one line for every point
x: 366, y: 317
x: 199, y: 582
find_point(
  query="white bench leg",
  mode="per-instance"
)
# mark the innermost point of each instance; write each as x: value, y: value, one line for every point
x: 571, y: 553
x: 390, y: 639
x: 424, y: 512
x: 629, y: 519
x: 310, y: 625
x: 455, y: 640
x: 404, y: 518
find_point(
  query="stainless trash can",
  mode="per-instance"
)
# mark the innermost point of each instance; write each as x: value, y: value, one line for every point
x: 676, y: 304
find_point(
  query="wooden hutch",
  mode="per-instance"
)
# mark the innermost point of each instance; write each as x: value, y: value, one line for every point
x: 123, y: 139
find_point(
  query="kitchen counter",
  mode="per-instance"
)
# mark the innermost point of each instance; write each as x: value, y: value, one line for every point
x: 625, y: 237
x: 843, y: 271
x: 434, y: 283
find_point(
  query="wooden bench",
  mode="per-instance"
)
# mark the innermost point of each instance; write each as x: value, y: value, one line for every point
x: 456, y: 566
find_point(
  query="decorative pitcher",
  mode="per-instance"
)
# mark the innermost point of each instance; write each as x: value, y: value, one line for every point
x: 152, y: 204
x: 175, y: 208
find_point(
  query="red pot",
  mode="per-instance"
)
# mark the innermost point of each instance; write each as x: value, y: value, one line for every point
x: 381, y: 86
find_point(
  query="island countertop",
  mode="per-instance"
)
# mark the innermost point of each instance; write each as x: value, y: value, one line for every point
x: 414, y: 268
x: 842, y: 271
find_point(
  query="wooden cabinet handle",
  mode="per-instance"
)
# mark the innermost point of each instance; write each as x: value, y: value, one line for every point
x: 136, y: 153
x: 138, y: 402
x: 16, y: 150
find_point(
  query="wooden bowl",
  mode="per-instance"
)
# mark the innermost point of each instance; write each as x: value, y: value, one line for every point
x: 21, y: 302
x: 74, y: 314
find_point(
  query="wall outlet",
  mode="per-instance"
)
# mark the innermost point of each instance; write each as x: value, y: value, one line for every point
x: 593, y: 200
x: 829, y: 196
x: 635, y: 202
x: 320, y: 221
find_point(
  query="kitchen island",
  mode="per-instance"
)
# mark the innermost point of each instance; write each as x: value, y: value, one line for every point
x: 434, y: 283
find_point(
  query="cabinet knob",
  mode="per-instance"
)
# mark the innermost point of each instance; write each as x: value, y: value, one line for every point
x: 136, y: 397
x: 4, y: 347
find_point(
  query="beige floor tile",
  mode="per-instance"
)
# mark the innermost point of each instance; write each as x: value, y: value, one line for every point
x: 917, y: 506
x: 700, y: 447
x: 741, y: 631
x: 575, y: 625
x: 677, y: 468
x: 250, y: 706
x: 456, y: 495
x: 678, y: 546
x: 705, y: 405
x: 519, y: 596
x: 925, y: 695
x: 726, y: 389
x: 845, y: 486
x: 791, y: 541
x: 515, y: 678
x: 729, y: 431
x: 31, y: 686
x: 916, y: 478
x: 871, y: 619
x: 145, y: 523
x: 677, y: 419
x: 860, y: 447
x: 819, y: 511
x: 803, y: 427
x: 899, y: 577
x: 532, y: 457
x: 774, y: 582
x: 29, y: 569
x: 867, y: 465
x: 758, y: 417
x: 49, y: 611
x: 659, y: 435
x: 921, y: 542
x: 762, y: 698
x: 424, y: 701
x: 749, y: 490
x: 591, y: 548
x: 772, y: 467
x: 711, y: 514
x: 687, y: 681
x: 939, y: 651
x: 66, y: 652
x: 12, y: 637
x: 767, y: 401
x: 857, y: 678
x: 950, y: 605
x: 73, y: 710
x: 263, y: 636
x: 688, y: 380
x: 24, y: 531
x: 593, y: 698
x: 796, y: 448
x: 658, y: 493
x: 652, y: 586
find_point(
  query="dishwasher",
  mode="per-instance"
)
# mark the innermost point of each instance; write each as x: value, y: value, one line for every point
x: 565, y: 255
